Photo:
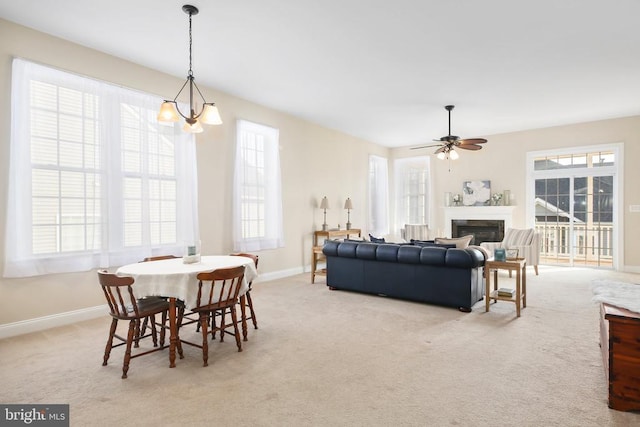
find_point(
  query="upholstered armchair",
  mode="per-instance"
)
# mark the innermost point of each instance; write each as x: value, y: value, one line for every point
x: 526, y: 241
x: 415, y: 232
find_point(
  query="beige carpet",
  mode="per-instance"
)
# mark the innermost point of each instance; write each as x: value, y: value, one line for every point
x: 335, y: 358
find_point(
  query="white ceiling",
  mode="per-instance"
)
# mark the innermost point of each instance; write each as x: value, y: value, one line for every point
x: 378, y: 69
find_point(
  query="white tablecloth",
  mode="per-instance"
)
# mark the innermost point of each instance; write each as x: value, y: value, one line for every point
x: 173, y: 278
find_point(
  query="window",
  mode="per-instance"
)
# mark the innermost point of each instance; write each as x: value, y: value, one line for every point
x: 257, y: 219
x: 95, y: 180
x: 378, y: 196
x: 412, y: 191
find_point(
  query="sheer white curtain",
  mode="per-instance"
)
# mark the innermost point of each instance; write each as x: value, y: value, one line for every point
x: 378, y: 196
x: 257, y: 189
x: 94, y: 180
x: 411, y: 177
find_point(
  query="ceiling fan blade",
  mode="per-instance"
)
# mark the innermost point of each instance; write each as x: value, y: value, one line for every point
x: 425, y: 146
x: 470, y: 147
x: 472, y: 141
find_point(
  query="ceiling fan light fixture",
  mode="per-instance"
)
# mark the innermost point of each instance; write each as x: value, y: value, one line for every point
x: 441, y: 155
x: 453, y: 154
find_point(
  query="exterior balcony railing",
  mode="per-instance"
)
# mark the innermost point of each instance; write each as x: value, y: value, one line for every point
x: 588, y: 245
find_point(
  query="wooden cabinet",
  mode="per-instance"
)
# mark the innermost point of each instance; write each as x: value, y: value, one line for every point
x: 318, y: 242
x: 620, y: 344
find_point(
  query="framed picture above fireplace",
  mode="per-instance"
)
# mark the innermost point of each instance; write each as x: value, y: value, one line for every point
x: 476, y: 193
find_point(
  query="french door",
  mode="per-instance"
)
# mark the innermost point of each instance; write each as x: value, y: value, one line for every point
x: 574, y: 208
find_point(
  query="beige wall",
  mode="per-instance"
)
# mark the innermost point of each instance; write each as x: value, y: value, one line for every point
x: 503, y: 162
x: 315, y: 162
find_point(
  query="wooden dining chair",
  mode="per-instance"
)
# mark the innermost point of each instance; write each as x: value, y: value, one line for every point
x: 123, y: 305
x: 218, y: 291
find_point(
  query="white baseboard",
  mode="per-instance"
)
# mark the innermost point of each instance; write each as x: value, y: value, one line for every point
x: 61, y: 319
x: 631, y: 269
x: 47, y: 322
x: 265, y: 277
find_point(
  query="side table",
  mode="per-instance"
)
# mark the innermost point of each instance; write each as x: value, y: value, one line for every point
x: 517, y: 265
x: 316, y: 250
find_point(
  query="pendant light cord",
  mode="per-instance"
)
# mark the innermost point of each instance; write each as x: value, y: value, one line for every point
x: 190, y: 43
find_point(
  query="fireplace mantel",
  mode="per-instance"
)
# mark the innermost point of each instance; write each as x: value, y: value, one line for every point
x: 504, y: 213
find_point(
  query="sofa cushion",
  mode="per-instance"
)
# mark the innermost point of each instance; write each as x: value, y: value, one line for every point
x: 433, y: 255
x: 346, y: 249
x: 387, y: 252
x: 460, y: 242
x: 409, y: 254
x: 366, y: 250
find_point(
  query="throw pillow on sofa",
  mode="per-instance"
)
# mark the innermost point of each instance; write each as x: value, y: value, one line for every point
x: 432, y: 243
x: 376, y: 239
x: 460, y: 242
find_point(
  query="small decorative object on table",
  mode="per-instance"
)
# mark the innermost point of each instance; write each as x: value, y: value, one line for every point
x: 191, y: 253
x: 500, y: 254
x: 512, y: 254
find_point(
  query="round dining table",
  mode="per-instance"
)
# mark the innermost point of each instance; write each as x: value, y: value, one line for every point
x: 177, y: 280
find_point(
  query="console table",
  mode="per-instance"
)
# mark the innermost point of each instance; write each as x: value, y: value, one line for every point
x: 620, y: 344
x: 316, y: 253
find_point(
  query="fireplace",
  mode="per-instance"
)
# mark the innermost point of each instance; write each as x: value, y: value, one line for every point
x: 483, y: 230
x: 469, y: 217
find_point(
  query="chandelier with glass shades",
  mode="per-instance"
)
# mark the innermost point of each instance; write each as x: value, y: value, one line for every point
x: 169, y: 111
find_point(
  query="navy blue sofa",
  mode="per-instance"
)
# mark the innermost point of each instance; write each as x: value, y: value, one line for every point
x: 444, y: 276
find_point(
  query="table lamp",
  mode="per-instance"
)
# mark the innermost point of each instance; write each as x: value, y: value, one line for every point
x: 348, y: 205
x: 324, y: 204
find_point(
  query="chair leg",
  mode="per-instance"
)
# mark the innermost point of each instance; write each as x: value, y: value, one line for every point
x: 223, y: 323
x: 205, y: 338
x: 136, y: 337
x: 214, y: 325
x: 535, y: 267
x: 163, y: 330
x: 143, y: 328
x: 234, y: 318
x: 134, y: 326
x: 154, y: 331
x: 107, y: 349
x: 253, y: 313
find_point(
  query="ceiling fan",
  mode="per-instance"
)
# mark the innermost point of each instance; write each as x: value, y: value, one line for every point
x: 447, y: 143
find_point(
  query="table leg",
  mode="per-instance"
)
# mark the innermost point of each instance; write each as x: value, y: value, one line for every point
x: 314, y: 263
x: 495, y: 279
x: 487, y: 287
x: 173, y: 336
x: 518, y: 292
x: 524, y: 285
x: 243, y: 306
